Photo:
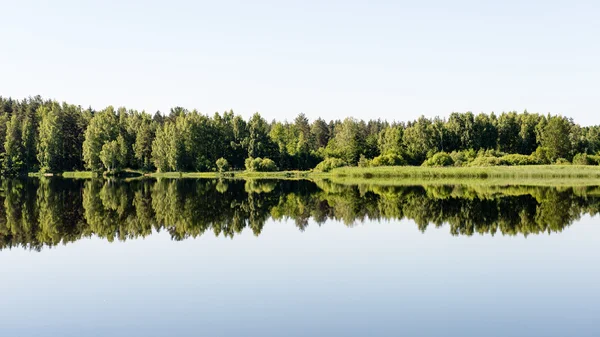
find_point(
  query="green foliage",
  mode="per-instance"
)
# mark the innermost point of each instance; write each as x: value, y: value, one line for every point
x: 347, y: 144
x: 390, y: 140
x: 541, y: 155
x: 562, y: 161
x: 420, y: 138
x: 259, y: 142
x: 439, y: 159
x: 329, y: 164
x: 103, y: 128
x: 142, y: 147
x: 50, y: 147
x: 260, y: 165
x: 363, y: 161
x: 463, y: 158
x: 52, y: 137
x: 555, y: 138
x: 519, y: 159
x: 222, y: 164
x: 111, y: 156
x: 509, y: 133
x: 581, y: 159
x: 388, y: 160
x: 594, y: 159
x: 13, y: 159
x: 486, y: 161
x: 586, y: 159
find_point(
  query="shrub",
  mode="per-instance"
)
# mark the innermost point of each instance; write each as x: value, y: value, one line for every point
x: 329, y: 164
x: 595, y: 159
x: 463, y: 158
x: 562, y: 161
x: 267, y: 165
x: 519, y: 159
x: 260, y: 165
x: 459, y: 158
x: 541, y: 155
x: 363, y: 161
x: 388, y: 160
x: 251, y: 163
x: 490, y: 153
x: 222, y: 164
x: 581, y: 159
x: 487, y: 161
x: 439, y: 159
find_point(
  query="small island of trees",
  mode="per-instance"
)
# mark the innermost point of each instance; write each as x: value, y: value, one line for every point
x: 38, y: 135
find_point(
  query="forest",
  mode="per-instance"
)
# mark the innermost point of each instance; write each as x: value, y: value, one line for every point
x: 45, y: 212
x: 38, y: 135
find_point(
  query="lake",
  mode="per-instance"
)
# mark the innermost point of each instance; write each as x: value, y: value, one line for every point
x: 201, y: 257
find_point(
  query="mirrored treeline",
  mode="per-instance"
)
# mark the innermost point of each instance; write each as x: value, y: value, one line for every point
x: 45, y: 212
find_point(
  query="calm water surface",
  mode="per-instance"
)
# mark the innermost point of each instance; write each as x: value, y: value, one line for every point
x: 297, y: 258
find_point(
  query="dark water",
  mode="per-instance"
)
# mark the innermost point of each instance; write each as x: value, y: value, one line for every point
x: 296, y: 258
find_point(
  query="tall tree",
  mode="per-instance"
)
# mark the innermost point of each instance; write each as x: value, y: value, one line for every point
x: 13, y: 160
x: 50, y: 151
x: 508, y: 133
x: 555, y: 137
x: 348, y: 142
x: 103, y: 128
x: 420, y: 139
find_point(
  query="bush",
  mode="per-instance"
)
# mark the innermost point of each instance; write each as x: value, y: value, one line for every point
x: 267, y: 165
x: 329, y: 164
x: 562, y: 161
x: 519, y: 159
x: 541, y: 155
x: 595, y: 159
x: 439, y: 159
x: 463, y: 158
x: 388, y: 160
x: 490, y: 153
x: 487, y: 161
x: 582, y: 159
x: 260, y: 165
x: 222, y: 164
x: 363, y: 161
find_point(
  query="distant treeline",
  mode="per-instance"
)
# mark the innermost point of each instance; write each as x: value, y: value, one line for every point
x: 48, y: 136
x: 35, y: 213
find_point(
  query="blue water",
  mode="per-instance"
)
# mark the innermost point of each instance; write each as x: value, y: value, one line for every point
x: 373, y: 279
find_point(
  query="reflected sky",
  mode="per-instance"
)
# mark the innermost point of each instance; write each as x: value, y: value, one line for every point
x: 378, y: 278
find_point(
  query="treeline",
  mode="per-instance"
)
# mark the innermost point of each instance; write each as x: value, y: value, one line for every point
x: 47, y: 136
x: 35, y: 213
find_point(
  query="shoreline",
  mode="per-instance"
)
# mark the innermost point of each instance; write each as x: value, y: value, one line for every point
x: 391, y: 175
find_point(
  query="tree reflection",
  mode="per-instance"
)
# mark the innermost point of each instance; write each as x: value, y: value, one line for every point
x: 35, y: 213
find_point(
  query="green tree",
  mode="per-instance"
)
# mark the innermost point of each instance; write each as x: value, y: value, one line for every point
x: 222, y: 164
x: 420, y: 139
x: 259, y: 142
x: 390, y: 140
x: 111, y: 155
x: 50, y: 152
x: 143, y: 144
x: 555, y: 138
x: 103, y: 128
x: 508, y: 133
x: 348, y: 142
x: 13, y: 160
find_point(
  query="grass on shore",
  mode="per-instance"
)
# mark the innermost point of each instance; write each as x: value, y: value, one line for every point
x: 235, y: 174
x: 67, y: 174
x: 529, y: 172
x: 405, y: 175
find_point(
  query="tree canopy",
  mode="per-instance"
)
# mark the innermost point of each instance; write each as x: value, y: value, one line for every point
x: 48, y: 136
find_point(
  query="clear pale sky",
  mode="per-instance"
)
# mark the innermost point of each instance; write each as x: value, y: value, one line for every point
x: 331, y: 59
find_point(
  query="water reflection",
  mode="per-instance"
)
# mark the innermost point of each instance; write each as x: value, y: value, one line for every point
x: 46, y: 212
